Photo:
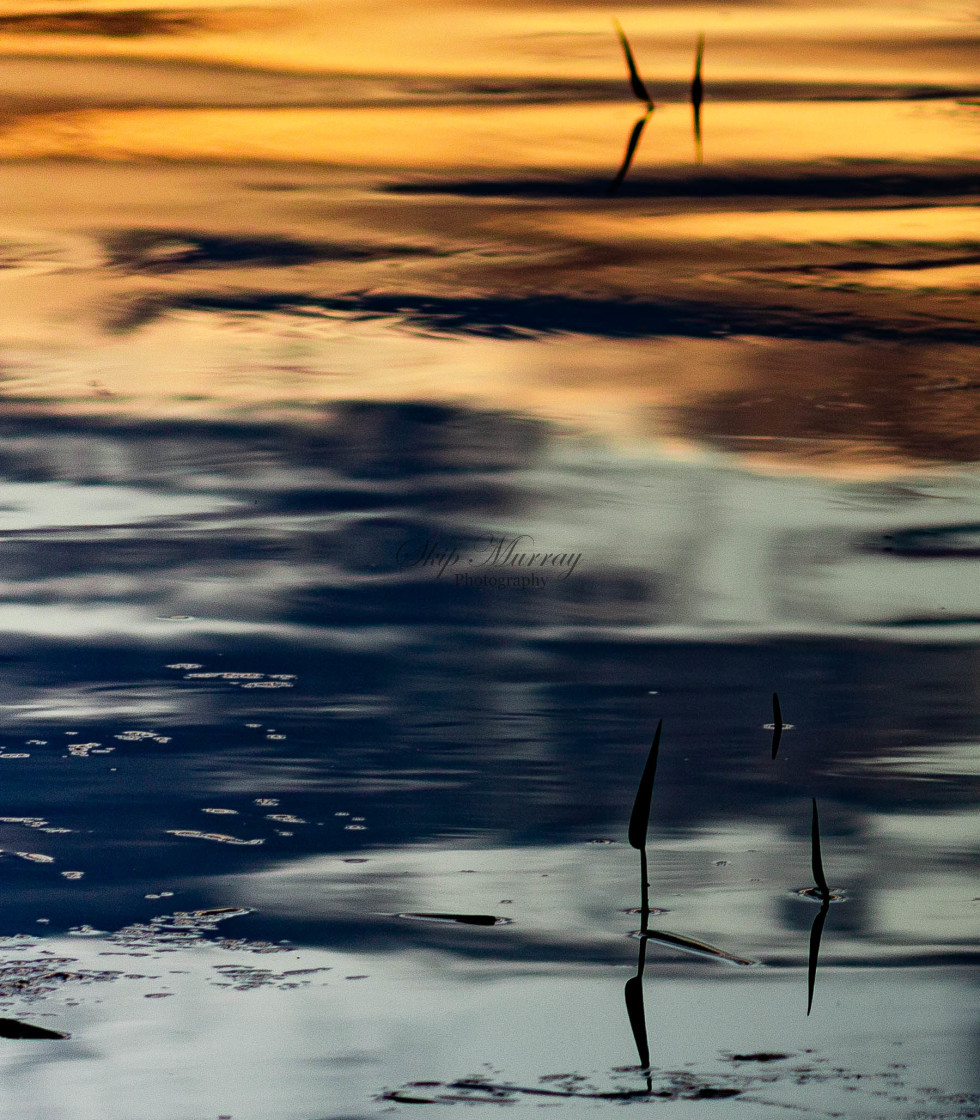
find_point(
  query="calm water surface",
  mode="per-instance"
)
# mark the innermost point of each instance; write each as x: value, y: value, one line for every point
x: 319, y: 322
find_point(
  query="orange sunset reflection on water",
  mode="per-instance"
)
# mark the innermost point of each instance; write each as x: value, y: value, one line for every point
x: 273, y: 207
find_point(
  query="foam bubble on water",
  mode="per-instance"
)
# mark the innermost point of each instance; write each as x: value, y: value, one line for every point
x: 271, y: 802
x: 222, y: 812
x: 285, y: 818
x: 73, y: 874
x: 37, y: 742
x: 275, y: 736
x: 35, y: 857
x: 268, y: 684
x: 183, y: 665
x: 135, y: 736
x: 355, y: 828
x: 253, y: 725
x: 13, y: 754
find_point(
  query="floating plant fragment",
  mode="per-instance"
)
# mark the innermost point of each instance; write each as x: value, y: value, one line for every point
x: 459, y: 919
x: 690, y: 945
x: 14, y: 1028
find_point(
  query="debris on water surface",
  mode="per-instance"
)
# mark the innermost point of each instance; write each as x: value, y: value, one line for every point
x: 14, y: 1028
x: 83, y: 750
x: 691, y: 945
x: 815, y: 894
x: 269, y: 802
x: 244, y: 978
x: 180, y: 930
x: 458, y: 919
x: 217, y: 837
x: 680, y: 1085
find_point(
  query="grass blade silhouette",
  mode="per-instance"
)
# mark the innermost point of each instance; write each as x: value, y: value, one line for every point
x: 697, y: 97
x: 816, y: 932
x: 633, y: 994
x: 631, y: 146
x: 816, y: 861
x: 636, y: 82
x: 640, y: 816
x: 777, y: 724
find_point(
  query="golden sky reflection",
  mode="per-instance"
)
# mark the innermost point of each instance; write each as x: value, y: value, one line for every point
x: 557, y: 138
x: 289, y: 121
x: 877, y: 42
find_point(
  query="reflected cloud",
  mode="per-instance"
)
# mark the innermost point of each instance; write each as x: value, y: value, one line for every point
x: 508, y: 317
x: 112, y: 24
x: 169, y: 250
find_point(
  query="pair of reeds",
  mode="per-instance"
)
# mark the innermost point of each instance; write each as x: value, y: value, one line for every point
x: 640, y: 90
x: 639, y: 824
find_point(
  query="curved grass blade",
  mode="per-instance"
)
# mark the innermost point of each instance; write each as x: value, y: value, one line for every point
x: 631, y: 146
x: 816, y: 861
x: 640, y: 816
x: 633, y: 994
x: 816, y: 932
x: 636, y: 82
x: 777, y: 724
x: 690, y: 945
